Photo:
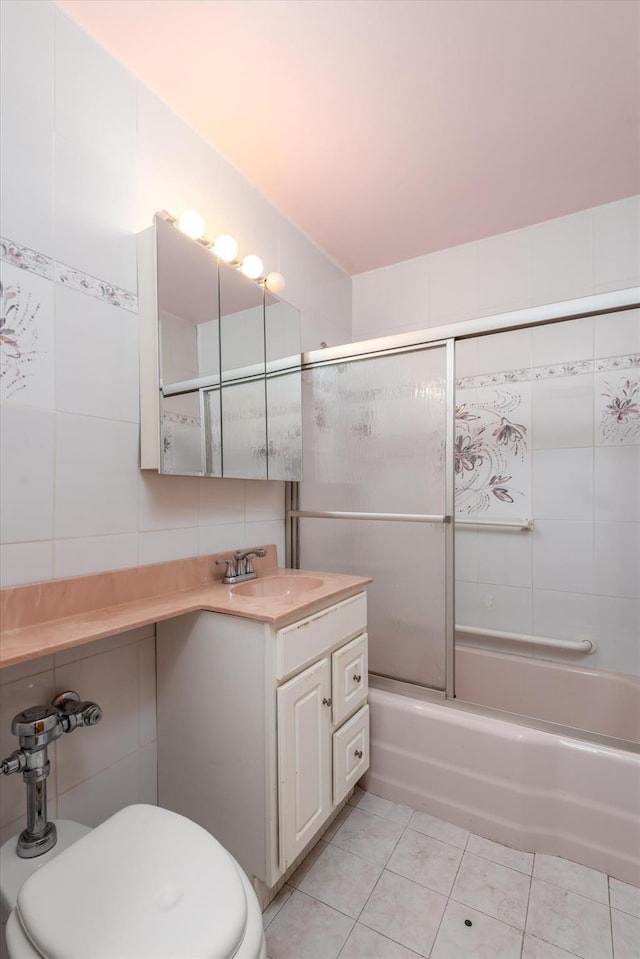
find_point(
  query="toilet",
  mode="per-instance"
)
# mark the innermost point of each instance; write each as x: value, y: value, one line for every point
x: 145, y: 884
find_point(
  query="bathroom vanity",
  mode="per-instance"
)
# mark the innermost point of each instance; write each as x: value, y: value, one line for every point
x: 263, y: 728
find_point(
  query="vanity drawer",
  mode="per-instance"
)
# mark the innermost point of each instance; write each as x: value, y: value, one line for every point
x: 349, y: 666
x: 302, y: 642
x: 350, y: 754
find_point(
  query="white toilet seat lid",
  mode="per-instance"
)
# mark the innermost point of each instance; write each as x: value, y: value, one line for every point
x: 146, y: 883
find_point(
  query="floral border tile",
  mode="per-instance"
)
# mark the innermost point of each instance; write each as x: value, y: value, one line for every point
x: 25, y: 258
x: 180, y: 419
x: 625, y: 361
x: 85, y: 283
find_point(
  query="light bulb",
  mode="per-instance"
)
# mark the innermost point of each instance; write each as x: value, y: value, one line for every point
x: 225, y: 247
x: 191, y: 223
x: 275, y: 282
x: 252, y: 266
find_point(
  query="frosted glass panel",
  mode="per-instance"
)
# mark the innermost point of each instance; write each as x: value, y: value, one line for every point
x: 244, y: 427
x: 213, y: 434
x: 374, y: 434
x: 406, y: 601
x: 284, y: 426
x: 180, y: 428
x: 374, y: 441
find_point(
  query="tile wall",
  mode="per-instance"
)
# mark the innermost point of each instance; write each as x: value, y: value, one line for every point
x: 85, y: 165
x: 88, y: 155
x: 548, y: 427
x: 594, y: 251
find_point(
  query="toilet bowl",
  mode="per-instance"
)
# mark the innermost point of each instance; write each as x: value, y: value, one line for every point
x: 145, y: 884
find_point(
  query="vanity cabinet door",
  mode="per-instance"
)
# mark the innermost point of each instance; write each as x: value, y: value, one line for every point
x: 349, y: 666
x: 350, y: 754
x: 304, y: 758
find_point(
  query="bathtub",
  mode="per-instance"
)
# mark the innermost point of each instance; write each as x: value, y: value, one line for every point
x: 532, y: 790
x: 603, y: 702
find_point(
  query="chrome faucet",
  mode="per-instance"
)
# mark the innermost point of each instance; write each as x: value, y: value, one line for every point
x: 36, y: 727
x: 240, y: 568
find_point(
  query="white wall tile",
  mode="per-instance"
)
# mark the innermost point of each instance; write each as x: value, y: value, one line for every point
x: 452, y: 284
x: 563, y: 556
x: 26, y: 108
x: 617, y: 333
x: 617, y: 483
x: 564, y: 615
x: 88, y: 650
x: 28, y: 312
x: 562, y: 412
x: 492, y: 606
x: 563, y: 342
x: 617, y: 631
x: 504, y: 351
x: 466, y: 357
x: 617, y: 244
x: 220, y: 538
x: 391, y: 300
x: 96, y: 476
x: 95, y: 554
x: 562, y: 254
x: 168, y: 502
x: 261, y: 534
x: 148, y: 774
x: 95, y: 204
x: 504, y: 272
x: 112, y: 680
x: 504, y: 557
x: 617, y: 552
x: 32, y: 690
x: 466, y: 553
x: 95, y: 174
x: 147, y: 690
x: 563, y: 484
x: 26, y: 471
x: 25, y: 563
x: 11, y: 674
x: 97, y: 798
x: 96, y: 357
x: 265, y: 501
x: 163, y: 545
x: 221, y: 501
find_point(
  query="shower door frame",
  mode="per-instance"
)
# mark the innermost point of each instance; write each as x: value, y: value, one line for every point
x: 446, y: 336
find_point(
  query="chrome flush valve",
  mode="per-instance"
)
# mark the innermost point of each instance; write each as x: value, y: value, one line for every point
x: 35, y: 728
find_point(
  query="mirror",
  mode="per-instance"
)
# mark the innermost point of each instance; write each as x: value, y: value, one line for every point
x: 229, y: 367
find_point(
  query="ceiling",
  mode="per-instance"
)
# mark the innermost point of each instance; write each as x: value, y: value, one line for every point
x: 387, y: 129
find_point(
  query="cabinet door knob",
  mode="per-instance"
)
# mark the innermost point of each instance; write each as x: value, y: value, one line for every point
x: 356, y: 678
x: 359, y: 753
x: 326, y: 702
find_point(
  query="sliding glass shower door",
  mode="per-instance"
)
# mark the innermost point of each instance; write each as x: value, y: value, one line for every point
x: 374, y: 442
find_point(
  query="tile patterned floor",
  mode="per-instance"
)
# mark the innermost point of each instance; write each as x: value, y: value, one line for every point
x: 386, y: 882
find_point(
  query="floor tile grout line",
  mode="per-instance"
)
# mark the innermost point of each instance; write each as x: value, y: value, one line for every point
x: 526, y: 912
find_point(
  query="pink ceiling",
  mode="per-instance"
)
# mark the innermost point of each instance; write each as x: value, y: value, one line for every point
x: 391, y: 128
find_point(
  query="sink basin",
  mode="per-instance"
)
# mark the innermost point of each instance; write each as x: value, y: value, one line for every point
x: 278, y: 587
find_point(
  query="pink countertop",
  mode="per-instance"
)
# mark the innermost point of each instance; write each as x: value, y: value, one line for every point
x: 43, y: 618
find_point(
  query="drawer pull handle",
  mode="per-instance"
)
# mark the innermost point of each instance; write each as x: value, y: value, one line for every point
x: 359, y: 753
x: 326, y: 702
x: 356, y: 678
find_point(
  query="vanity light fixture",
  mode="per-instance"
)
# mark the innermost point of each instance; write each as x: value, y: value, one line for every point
x: 191, y: 223
x: 252, y: 266
x: 225, y: 248
x: 275, y: 282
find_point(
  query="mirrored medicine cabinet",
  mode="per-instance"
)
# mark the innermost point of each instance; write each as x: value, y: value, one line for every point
x: 219, y: 363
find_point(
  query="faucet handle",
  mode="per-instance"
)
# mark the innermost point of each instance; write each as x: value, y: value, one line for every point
x: 230, y: 570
